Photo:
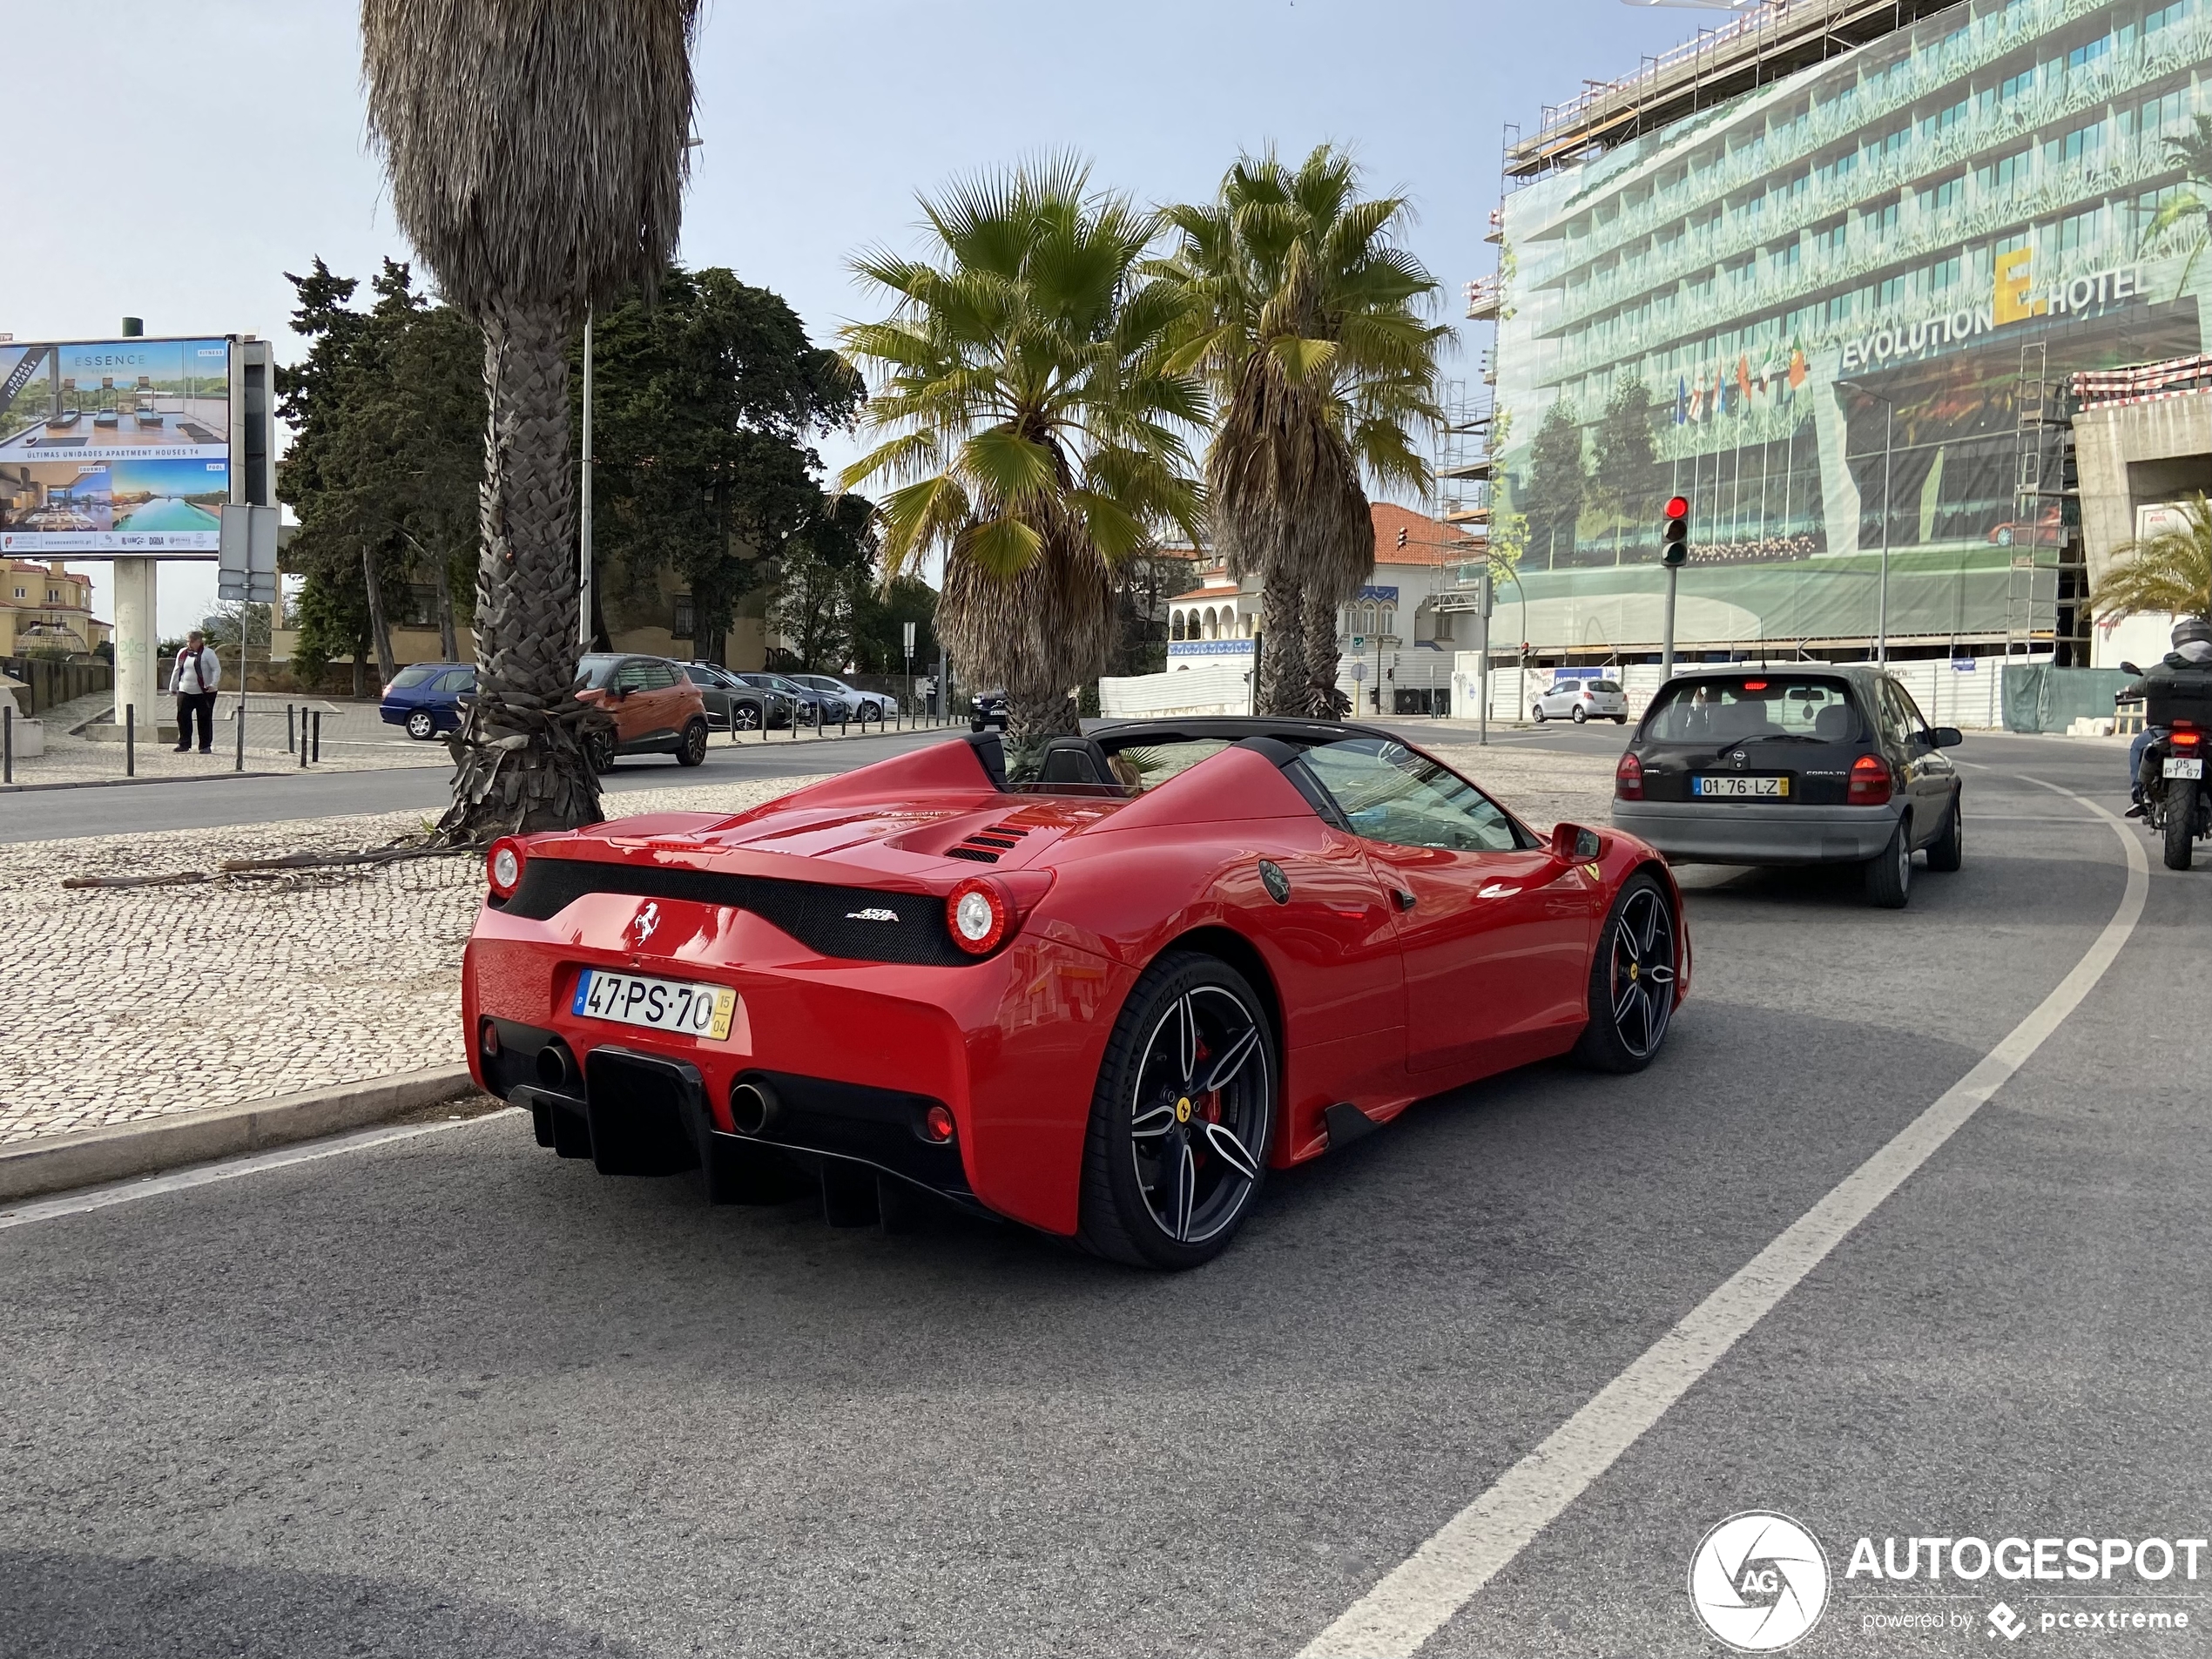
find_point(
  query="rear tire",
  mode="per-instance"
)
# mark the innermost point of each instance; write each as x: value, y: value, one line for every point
x: 1638, y: 949
x: 691, y: 751
x: 1889, y: 878
x: 422, y: 726
x: 1948, y: 851
x: 1171, y: 1167
x: 1582, y: 714
x: 2181, y: 822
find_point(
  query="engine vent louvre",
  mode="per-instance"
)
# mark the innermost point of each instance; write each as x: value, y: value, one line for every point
x: 977, y: 853
x: 984, y: 845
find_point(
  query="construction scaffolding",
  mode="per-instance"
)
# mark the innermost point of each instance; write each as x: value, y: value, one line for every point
x: 2043, y: 587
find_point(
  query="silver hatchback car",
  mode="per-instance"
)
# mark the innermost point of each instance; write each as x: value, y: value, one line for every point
x: 1580, y: 700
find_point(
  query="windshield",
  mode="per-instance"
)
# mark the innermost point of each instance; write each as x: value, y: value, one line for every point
x: 1719, y: 710
x: 593, y: 672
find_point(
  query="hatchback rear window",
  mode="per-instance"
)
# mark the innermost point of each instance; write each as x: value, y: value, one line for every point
x: 419, y: 674
x: 1758, y: 705
x: 1605, y: 685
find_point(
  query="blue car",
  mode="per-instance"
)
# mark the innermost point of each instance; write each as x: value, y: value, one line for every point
x: 425, y: 697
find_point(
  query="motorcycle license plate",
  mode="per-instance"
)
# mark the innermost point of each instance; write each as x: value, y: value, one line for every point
x: 2184, y: 768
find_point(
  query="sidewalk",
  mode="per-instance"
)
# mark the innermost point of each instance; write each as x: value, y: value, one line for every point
x: 140, y: 1002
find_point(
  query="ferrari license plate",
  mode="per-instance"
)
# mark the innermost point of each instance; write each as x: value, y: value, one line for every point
x: 684, y: 1006
x: 1738, y: 784
x: 2173, y: 768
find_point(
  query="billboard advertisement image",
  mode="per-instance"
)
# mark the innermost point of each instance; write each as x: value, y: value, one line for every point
x: 114, y: 446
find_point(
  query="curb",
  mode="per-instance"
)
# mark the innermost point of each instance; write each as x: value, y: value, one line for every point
x: 124, y: 1149
x: 129, y: 783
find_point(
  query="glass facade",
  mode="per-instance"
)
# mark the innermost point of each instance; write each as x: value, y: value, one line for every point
x: 1819, y: 310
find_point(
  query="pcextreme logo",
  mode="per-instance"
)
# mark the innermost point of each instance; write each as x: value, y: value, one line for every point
x: 1758, y: 1582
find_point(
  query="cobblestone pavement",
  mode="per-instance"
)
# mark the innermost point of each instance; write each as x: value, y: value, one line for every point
x: 139, y: 1001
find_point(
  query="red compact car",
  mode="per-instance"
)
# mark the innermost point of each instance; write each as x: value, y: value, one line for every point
x: 1103, y: 1000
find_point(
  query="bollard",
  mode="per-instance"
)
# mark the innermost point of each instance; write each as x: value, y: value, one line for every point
x: 288, y: 745
x: 303, y: 731
x: 318, y: 737
x: 240, y: 766
x: 7, y: 743
x: 129, y: 739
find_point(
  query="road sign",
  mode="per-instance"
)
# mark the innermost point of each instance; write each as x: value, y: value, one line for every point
x: 246, y: 561
x: 1357, y: 642
x: 1359, y: 671
x: 909, y: 628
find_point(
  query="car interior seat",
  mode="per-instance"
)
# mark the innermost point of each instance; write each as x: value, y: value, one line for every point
x: 1832, y: 724
x: 1079, y: 761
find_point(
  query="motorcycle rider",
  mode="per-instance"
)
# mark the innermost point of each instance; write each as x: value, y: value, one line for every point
x: 2191, y: 639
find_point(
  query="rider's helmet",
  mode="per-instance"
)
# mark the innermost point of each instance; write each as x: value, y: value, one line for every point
x: 2192, y: 630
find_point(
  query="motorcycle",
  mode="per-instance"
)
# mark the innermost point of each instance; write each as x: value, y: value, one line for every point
x: 2176, y: 797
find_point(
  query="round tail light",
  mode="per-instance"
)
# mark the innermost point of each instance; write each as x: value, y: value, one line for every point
x: 503, y: 866
x: 1870, y: 781
x: 1628, y: 778
x: 977, y: 914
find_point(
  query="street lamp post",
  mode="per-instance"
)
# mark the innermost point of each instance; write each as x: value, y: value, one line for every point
x: 583, y: 508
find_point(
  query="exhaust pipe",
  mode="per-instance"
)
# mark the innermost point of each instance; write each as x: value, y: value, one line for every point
x: 556, y: 1069
x: 753, y: 1106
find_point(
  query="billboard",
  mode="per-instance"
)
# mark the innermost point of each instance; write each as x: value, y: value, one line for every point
x: 1828, y: 311
x: 114, y: 447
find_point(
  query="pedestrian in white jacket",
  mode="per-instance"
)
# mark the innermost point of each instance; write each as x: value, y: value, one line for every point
x: 192, y: 681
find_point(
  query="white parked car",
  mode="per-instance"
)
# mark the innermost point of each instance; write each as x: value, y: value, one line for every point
x: 865, y: 706
x: 1581, y: 700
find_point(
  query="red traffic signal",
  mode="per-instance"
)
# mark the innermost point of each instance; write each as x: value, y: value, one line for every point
x: 1674, y: 532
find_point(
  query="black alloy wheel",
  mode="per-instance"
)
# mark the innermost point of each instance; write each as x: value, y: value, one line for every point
x: 599, y: 749
x: 1632, y: 980
x: 421, y: 725
x: 692, y: 750
x: 1181, y: 1118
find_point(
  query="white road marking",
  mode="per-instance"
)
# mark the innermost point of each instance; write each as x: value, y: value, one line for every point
x: 1415, y: 1598
x: 77, y: 1203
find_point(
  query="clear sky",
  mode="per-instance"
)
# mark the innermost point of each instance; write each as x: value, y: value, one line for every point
x: 821, y: 119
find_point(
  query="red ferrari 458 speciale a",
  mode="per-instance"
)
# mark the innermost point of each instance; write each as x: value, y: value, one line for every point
x: 1102, y: 1001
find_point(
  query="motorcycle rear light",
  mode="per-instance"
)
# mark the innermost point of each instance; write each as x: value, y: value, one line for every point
x: 1870, y: 781
x: 2183, y: 735
x: 937, y: 1124
x: 503, y: 866
x: 1628, y: 778
x: 977, y: 914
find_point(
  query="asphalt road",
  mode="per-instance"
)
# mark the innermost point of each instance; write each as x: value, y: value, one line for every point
x: 451, y: 1395
x: 54, y: 814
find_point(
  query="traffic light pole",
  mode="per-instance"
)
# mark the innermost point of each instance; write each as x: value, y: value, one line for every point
x: 1667, y: 638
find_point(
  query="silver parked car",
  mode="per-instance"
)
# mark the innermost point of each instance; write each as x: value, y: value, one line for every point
x: 865, y: 706
x: 1580, y: 700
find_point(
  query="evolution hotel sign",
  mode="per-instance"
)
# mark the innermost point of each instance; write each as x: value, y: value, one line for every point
x: 2013, y: 299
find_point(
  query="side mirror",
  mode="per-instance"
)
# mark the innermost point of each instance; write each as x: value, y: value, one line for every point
x: 1944, y: 737
x: 1571, y: 843
x: 2129, y: 668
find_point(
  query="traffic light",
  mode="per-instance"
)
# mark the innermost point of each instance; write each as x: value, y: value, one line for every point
x: 1674, y: 532
x: 1401, y: 536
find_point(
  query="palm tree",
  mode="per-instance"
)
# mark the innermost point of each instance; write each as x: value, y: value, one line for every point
x: 2170, y: 573
x: 2192, y: 153
x: 537, y: 152
x: 1309, y: 323
x: 1035, y: 427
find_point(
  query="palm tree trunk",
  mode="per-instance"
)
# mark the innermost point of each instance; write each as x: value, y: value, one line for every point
x: 520, y: 756
x: 1283, y: 671
x: 1038, y: 634
x: 448, y: 628
x: 1323, y: 701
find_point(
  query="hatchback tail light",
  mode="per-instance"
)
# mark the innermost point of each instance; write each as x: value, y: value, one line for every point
x: 1870, y: 781
x: 1628, y: 778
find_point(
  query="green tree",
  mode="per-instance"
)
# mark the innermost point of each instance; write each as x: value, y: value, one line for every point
x: 388, y: 414
x: 881, y: 612
x: 2170, y: 573
x: 1627, y: 463
x: 1309, y: 322
x: 537, y: 155
x: 1557, y: 483
x: 828, y: 567
x: 1021, y: 373
x: 706, y: 396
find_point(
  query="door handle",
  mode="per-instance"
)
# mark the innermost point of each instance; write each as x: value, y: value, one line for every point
x: 1405, y: 901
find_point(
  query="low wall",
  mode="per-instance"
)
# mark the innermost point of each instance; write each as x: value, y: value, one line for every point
x: 1214, y: 687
